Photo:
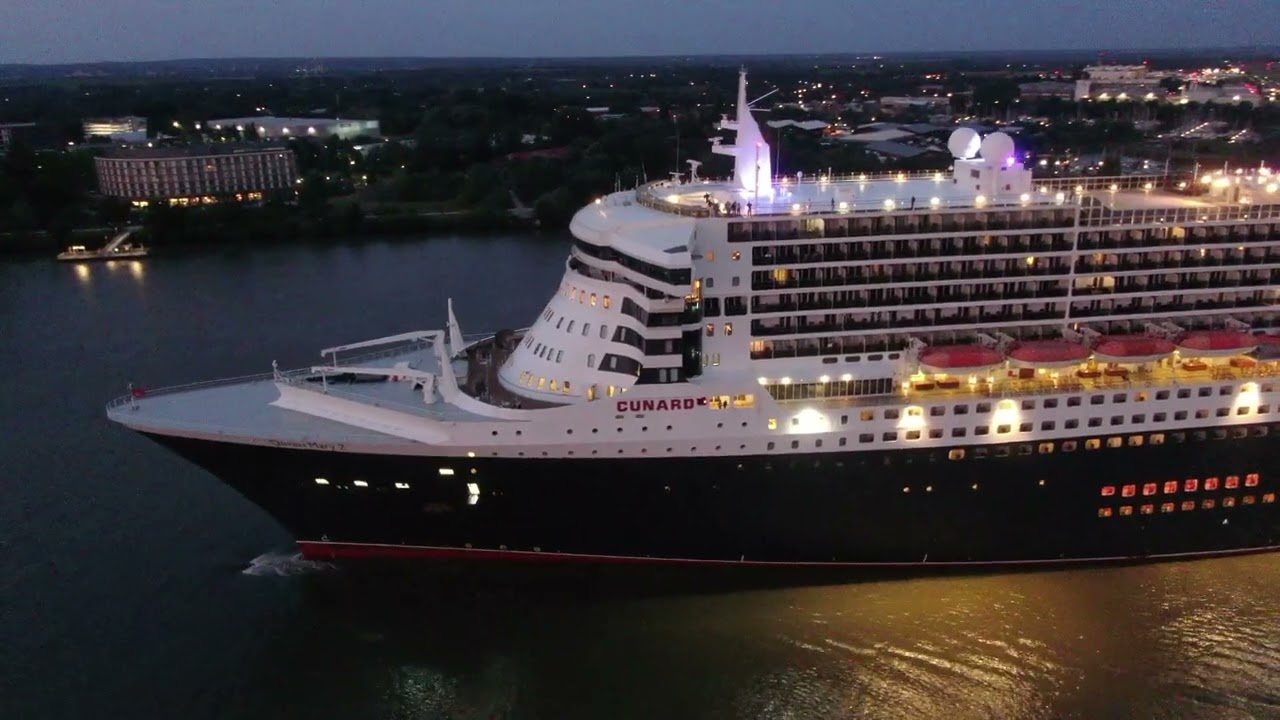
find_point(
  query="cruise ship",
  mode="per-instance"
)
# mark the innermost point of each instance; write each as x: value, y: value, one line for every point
x: 971, y: 367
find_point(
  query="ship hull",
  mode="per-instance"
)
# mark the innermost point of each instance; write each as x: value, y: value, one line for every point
x: 901, y: 507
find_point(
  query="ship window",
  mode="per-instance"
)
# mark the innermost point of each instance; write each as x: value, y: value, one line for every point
x: 1223, y: 412
x: 559, y: 355
x: 582, y: 296
x: 957, y: 432
x: 606, y: 301
x: 1199, y: 435
x: 1024, y: 427
x: 1051, y: 403
x: 1119, y: 397
x: 1207, y: 504
x: 586, y: 328
x: 890, y: 414
x: 842, y: 444
x: 866, y: 415
x: 591, y: 360
x: 1068, y: 446
x: 1242, y: 410
x: 981, y: 430
x: 979, y: 453
x: 1224, y: 390
x: 1002, y: 429
x: 960, y: 409
x: 1228, y: 502
x: 1108, y: 490
x: 736, y: 255
x: 1114, y: 442
x: 1092, y: 444
x: 844, y: 419
x: 773, y: 423
x: 1071, y: 424
x: 1180, y: 415
x: 955, y: 454
x: 1251, y: 480
x: 1239, y: 432
x: 1170, y: 487
x: 1028, y: 404
x: 1135, y: 440
x: 604, y: 331
x: 542, y: 382
x: 1024, y: 449
x: 1167, y: 507
x: 1184, y: 393
x: 770, y: 445
x: 554, y: 386
x: 890, y: 436
x: 1137, y: 419
x: 711, y: 282
x: 935, y: 433
x: 1073, y: 401
x: 711, y: 329
x: 1210, y: 484
x: 1104, y: 512
x: 1205, y: 392
x: 1095, y: 422
x: 1190, y: 485
x: 1202, y: 414
x: 1264, y: 409
x: 566, y: 386
x: 1269, y: 498
x: 1188, y: 505
x: 1047, y: 425
x: 728, y: 328
x: 817, y: 443
x: 1002, y: 451
x: 1159, y: 417
x: 1149, y: 489
x: 1258, y: 431
x: 937, y: 411
x: 1096, y: 400
x: 1046, y: 448
x: 1162, y: 394
x: 984, y: 407
x: 1126, y: 509
x: 795, y: 444
x: 1147, y: 509
x: 866, y: 438
x: 1157, y: 438
x: 1117, y: 419
x: 1129, y: 491
x: 1140, y: 397
x: 560, y: 322
x: 913, y: 434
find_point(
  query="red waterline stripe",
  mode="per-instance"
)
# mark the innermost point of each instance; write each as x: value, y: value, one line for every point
x: 320, y: 550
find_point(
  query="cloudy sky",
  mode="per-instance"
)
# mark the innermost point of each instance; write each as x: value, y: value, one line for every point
x: 47, y: 31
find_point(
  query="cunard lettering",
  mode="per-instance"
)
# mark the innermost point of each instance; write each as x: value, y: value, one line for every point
x: 307, y: 445
x: 661, y: 404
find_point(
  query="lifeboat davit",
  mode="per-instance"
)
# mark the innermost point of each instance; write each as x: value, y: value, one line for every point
x: 1132, y: 348
x: 1048, y: 354
x: 1209, y: 343
x: 959, y: 358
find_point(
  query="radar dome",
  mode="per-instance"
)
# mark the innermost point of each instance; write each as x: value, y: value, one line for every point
x: 964, y: 143
x: 997, y: 148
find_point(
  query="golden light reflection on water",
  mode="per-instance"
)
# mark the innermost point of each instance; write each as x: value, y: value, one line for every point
x: 136, y: 269
x: 83, y: 274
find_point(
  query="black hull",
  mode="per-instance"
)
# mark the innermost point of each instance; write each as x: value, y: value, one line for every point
x: 903, y: 507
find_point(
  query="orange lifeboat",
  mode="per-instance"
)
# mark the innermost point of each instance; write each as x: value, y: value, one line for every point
x: 1131, y: 348
x: 1209, y: 343
x: 959, y: 358
x: 1048, y: 354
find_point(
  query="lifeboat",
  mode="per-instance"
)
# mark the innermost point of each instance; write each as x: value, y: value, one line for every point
x: 1048, y: 354
x: 1210, y: 343
x: 959, y: 358
x: 1131, y: 348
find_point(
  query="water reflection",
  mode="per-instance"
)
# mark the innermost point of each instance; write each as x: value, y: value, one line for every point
x: 82, y: 273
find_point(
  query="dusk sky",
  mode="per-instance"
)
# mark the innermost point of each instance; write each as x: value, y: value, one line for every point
x: 50, y: 31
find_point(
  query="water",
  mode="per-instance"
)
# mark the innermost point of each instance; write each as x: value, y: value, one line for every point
x: 134, y: 585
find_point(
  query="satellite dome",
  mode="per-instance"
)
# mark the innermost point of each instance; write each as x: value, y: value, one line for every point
x: 997, y: 148
x: 964, y: 143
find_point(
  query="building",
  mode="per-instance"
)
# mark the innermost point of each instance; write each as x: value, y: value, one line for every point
x: 269, y: 127
x: 893, y: 105
x: 196, y: 174
x: 111, y: 127
x: 10, y: 131
x: 1042, y: 89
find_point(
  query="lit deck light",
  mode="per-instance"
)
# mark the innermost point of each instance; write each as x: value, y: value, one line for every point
x: 980, y: 200
x: 824, y: 378
x: 935, y: 202
x: 762, y: 381
x: 846, y: 377
x: 360, y: 483
x: 402, y: 486
x: 321, y: 481
x: 1272, y: 187
x: 785, y: 381
x: 1024, y: 198
x: 446, y: 471
x: 844, y: 206
x: 889, y: 204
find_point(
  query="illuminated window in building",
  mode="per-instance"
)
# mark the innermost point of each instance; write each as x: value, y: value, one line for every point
x: 1191, y: 485
x: 542, y: 382
x: 728, y: 328
x: 1171, y: 487
x: 1207, y: 504
x: 1104, y: 512
x: 955, y: 454
x: 1228, y: 502
x: 1149, y: 488
x: 1248, y: 499
x: 1126, y: 509
x: 773, y: 423
x: 555, y: 386
x: 593, y: 299
x: 1128, y: 491
x: 1135, y: 440
x: 1157, y: 439
x: 1188, y: 505
x: 1108, y: 490
x: 1210, y: 484
x: 606, y: 302
x: 1167, y: 507
x: 711, y: 329
x: 1269, y: 497
x: 736, y: 255
x: 1147, y: 509
x: 1092, y: 444
x: 1251, y: 480
x: 1233, y: 482
x: 1114, y: 442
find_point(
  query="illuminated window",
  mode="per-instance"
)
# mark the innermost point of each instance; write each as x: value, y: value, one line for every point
x: 1171, y: 487
x: 1135, y: 440
x: 1147, y: 509
x: 1104, y: 512
x: 611, y: 390
x: 956, y: 454
x: 1248, y: 499
x: 566, y: 386
x: 1126, y: 509
x: 773, y: 423
x: 1092, y: 444
x: 1108, y: 490
x: 1129, y: 491
x: 1068, y: 446
x: 913, y: 434
x: 1269, y: 497
x: 710, y: 255
x: 1046, y: 448
x: 1207, y: 504
x: 1188, y: 505
x: 736, y: 255
x: 555, y: 386
x: 1251, y: 480
x: 1002, y: 429
x: 593, y: 299
x: 542, y: 382
x: 728, y: 328
x: 711, y: 329
x: 1228, y: 502
x: 1167, y: 507
x: 606, y: 301
x: 1210, y: 484
x: 1114, y: 442
x: 1233, y: 482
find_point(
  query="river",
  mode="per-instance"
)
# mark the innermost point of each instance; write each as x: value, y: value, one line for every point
x: 134, y: 585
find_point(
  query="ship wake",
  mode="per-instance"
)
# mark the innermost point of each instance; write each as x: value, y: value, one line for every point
x: 285, y: 564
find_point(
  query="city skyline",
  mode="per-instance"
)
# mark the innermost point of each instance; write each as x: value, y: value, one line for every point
x: 74, y: 31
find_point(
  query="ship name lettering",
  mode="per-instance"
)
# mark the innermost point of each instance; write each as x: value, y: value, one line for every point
x: 306, y: 445
x: 660, y: 404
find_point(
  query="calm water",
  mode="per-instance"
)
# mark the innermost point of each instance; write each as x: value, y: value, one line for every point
x: 135, y: 586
